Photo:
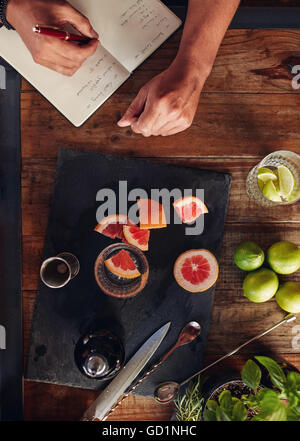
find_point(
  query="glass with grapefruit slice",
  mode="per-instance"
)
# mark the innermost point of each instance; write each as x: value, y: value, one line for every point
x: 121, y: 270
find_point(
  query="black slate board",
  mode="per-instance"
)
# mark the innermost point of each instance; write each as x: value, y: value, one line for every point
x: 61, y: 316
x: 11, y: 334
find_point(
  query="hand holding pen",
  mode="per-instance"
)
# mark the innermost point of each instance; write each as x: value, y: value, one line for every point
x: 60, y: 54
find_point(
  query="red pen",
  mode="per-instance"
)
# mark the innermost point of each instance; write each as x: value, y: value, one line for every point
x: 52, y: 31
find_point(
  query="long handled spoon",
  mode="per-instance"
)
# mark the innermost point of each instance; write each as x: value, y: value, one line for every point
x: 187, y: 335
x: 168, y: 391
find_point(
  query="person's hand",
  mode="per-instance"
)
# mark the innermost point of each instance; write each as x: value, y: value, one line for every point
x: 62, y: 56
x: 166, y: 104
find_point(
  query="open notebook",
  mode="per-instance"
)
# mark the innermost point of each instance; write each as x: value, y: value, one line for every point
x: 129, y: 31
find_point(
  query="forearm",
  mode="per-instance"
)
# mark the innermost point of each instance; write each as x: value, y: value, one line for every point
x: 205, y: 27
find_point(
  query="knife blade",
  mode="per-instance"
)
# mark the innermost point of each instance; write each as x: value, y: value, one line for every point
x: 125, y: 377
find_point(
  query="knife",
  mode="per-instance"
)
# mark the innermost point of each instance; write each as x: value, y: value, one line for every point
x: 125, y: 377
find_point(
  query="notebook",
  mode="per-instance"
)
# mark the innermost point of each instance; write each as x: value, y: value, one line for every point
x: 129, y: 31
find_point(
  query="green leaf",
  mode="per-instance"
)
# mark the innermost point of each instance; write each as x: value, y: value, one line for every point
x: 292, y: 415
x: 277, y: 375
x: 222, y: 415
x: 209, y: 415
x: 211, y: 405
x: 272, y: 409
x: 225, y: 401
x: 251, y: 375
x: 239, y: 412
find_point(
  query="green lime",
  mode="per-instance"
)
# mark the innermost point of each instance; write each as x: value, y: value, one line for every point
x: 266, y: 174
x: 248, y: 256
x: 288, y: 297
x: 260, y: 285
x: 284, y: 257
x: 260, y: 184
x: 271, y: 192
x: 286, y: 181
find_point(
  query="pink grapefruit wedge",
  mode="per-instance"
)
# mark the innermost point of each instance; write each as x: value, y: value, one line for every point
x: 122, y: 265
x: 151, y: 213
x: 112, y: 226
x: 189, y: 208
x: 136, y: 236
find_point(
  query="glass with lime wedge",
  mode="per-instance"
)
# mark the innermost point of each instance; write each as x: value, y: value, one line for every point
x: 275, y: 180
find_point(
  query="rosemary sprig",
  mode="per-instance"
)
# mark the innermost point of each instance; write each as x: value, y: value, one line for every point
x: 189, y: 405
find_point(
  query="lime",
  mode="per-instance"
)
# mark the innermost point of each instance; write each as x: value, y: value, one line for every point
x: 286, y: 181
x: 271, y: 192
x: 260, y: 285
x: 260, y: 183
x: 248, y: 256
x: 266, y: 174
x: 288, y: 297
x: 284, y: 257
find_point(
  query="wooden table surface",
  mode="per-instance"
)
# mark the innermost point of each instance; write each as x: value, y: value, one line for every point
x: 247, y: 110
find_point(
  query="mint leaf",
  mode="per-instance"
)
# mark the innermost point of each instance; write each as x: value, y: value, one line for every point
x: 251, y: 375
x: 222, y: 415
x: 239, y: 412
x: 211, y: 405
x: 277, y: 375
x: 272, y: 409
x: 225, y: 401
x: 209, y: 415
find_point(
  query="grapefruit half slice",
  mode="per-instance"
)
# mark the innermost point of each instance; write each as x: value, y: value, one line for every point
x: 152, y: 214
x: 196, y: 270
x: 122, y: 265
x: 112, y: 226
x: 136, y: 236
x: 189, y: 208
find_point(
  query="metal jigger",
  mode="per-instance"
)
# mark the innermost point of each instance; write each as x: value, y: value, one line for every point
x: 57, y: 271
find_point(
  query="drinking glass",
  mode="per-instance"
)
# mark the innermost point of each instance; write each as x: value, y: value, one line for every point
x: 281, y: 157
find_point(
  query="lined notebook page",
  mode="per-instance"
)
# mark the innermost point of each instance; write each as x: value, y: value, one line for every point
x: 77, y: 97
x: 130, y: 29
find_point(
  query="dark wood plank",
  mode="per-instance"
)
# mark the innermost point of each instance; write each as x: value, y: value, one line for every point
x: 228, y: 125
x: 240, y: 65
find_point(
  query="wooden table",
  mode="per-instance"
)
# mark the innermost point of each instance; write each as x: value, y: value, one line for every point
x: 247, y: 110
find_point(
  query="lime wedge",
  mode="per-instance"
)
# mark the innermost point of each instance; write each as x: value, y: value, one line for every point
x: 271, y: 192
x: 260, y: 184
x: 265, y: 174
x: 286, y: 181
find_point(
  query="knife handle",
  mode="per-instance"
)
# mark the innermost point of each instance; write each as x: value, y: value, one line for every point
x: 132, y: 389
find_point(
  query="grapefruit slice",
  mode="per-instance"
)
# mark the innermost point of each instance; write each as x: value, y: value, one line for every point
x: 152, y: 214
x: 136, y: 236
x: 122, y: 265
x: 189, y: 208
x: 196, y: 270
x: 112, y: 226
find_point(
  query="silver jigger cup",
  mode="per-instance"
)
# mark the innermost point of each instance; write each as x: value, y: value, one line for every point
x: 57, y: 271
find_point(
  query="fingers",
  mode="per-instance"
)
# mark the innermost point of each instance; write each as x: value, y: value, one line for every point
x: 60, y: 68
x: 79, y: 21
x: 72, y: 51
x: 61, y: 56
x: 134, y: 110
